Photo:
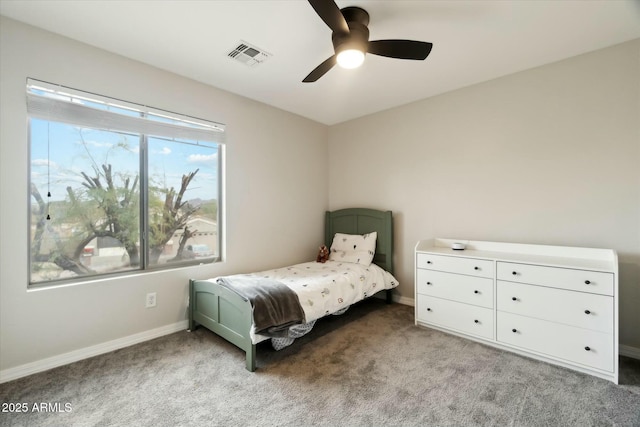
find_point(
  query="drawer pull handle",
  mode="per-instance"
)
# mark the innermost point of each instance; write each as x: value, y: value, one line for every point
x: 429, y: 283
x: 587, y: 348
x: 428, y: 262
x: 476, y: 268
x: 428, y: 309
x: 514, y: 330
x: 587, y: 282
x: 476, y: 292
x: 476, y: 321
x: 587, y: 312
x: 514, y: 273
x: 514, y: 299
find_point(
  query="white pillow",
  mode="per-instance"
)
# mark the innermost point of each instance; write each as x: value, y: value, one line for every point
x: 354, y: 248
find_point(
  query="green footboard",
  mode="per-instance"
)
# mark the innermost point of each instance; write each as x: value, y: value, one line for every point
x: 224, y: 313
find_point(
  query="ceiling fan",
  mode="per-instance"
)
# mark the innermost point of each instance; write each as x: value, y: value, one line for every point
x: 350, y: 37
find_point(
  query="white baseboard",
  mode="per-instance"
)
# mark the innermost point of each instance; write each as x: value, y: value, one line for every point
x: 84, y: 353
x: 627, y: 350
x: 404, y: 300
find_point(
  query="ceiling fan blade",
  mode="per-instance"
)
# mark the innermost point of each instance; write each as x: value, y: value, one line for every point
x: 330, y: 13
x: 320, y: 70
x: 402, y: 49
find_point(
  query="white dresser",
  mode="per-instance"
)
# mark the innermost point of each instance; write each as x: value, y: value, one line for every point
x: 553, y: 303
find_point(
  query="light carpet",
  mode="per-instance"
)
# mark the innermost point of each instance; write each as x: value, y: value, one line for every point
x: 369, y: 367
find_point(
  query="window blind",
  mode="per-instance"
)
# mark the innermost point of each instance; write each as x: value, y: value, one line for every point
x: 57, y: 103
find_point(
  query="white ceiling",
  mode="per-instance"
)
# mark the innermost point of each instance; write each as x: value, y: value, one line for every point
x: 474, y: 41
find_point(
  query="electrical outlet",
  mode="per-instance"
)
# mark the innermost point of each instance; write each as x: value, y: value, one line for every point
x: 151, y: 300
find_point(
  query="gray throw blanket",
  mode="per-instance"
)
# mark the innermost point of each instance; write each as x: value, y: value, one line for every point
x: 275, y: 306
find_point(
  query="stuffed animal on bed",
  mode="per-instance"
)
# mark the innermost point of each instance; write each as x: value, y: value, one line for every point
x: 323, y: 254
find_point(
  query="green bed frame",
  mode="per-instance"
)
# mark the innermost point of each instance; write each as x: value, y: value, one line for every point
x: 226, y: 314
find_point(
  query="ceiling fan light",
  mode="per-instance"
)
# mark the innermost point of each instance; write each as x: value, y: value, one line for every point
x: 350, y: 58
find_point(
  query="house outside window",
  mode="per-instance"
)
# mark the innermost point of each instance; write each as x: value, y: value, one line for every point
x: 117, y: 187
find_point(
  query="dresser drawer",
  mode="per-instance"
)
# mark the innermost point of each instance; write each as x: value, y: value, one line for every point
x: 456, y: 287
x: 583, y: 310
x: 594, y: 282
x: 457, y: 316
x: 575, y: 345
x: 452, y: 264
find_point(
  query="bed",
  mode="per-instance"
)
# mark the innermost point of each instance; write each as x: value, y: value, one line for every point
x: 229, y: 314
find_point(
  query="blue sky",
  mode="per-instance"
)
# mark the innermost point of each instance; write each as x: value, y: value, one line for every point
x: 72, y: 150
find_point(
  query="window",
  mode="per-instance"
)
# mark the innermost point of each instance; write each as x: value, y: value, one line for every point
x: 118, y: 187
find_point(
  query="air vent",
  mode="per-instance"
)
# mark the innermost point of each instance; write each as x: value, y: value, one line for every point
x: 248, y: 54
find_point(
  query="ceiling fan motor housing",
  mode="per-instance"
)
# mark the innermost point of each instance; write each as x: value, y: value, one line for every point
x: 355, y: 14
x: 358, y: 36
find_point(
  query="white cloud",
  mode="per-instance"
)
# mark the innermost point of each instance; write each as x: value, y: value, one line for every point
x: 43, y: 162
x: 202, y: 158
x: 165, y: 151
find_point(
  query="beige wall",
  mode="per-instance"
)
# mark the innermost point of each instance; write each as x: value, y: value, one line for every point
x: 274, y: 206
x: 550, y: 155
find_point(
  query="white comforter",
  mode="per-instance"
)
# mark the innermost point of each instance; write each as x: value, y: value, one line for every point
x: 330, y: 287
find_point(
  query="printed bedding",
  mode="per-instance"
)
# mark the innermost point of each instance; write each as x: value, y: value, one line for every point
x: 325, y: 288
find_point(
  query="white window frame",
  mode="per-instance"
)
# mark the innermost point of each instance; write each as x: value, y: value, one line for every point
x: 56, y: 103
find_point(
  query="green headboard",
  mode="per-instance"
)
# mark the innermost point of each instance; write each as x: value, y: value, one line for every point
x: 362, y: 221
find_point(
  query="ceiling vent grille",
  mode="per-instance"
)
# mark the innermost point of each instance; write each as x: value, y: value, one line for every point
x: 248, y: 54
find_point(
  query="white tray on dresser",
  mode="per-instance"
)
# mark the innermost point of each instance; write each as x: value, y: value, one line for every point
x: 557, y: 304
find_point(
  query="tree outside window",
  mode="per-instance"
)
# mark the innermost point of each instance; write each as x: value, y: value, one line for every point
x: 106, y: 198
